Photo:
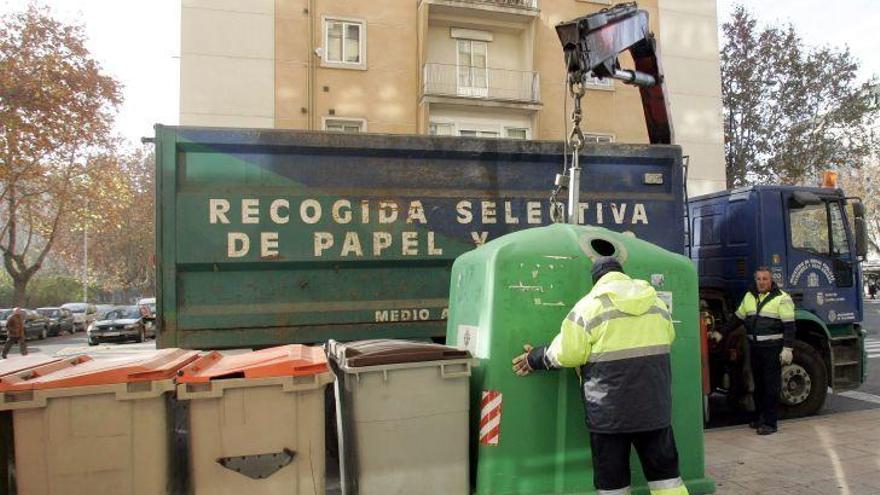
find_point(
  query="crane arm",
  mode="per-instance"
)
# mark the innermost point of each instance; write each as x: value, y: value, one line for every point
x: 592, y: 44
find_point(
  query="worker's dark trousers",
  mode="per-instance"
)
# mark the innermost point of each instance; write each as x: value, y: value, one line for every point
x: 767, y: 372
x: 656, y: 450
x: 22, y: 345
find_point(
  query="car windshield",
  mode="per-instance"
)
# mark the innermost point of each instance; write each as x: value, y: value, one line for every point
x: 5, y: 313
x: 76, y: 308
x: 51, y: 313
x: 126, y: 313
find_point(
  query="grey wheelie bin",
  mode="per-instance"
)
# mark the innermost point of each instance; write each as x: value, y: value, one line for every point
x: 403, y: 417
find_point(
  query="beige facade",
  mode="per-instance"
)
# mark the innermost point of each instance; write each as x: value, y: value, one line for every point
x: 487, y: 68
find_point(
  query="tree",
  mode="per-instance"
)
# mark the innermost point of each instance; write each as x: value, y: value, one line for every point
x: 862, y: 182
x: 56, y: 116
x: 121, y: 242
x: 790, y: 111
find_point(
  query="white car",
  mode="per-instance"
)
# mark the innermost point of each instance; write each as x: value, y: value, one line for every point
x: 84, y: 314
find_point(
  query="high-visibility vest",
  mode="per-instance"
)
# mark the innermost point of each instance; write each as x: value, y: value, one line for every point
x: 620, y: 336
x: 765, y: 315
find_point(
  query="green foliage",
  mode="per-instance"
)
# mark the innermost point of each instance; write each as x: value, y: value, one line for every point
x: 49, y: 290
x: 790, y: 110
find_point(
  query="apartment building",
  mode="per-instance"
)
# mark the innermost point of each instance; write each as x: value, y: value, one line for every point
x: 483, y: 68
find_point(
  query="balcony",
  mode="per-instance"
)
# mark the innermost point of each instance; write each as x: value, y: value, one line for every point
x: 511, y: 7
x: 478, y: 83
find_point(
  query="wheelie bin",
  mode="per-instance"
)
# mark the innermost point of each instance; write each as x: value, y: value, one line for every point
x: 404, y: 411
x: 86, y: 426
x: 256, y: 421
x: 14, y: 364
x: 528, y: 434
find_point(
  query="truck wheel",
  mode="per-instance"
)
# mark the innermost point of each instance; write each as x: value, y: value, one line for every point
x: 804, y: 383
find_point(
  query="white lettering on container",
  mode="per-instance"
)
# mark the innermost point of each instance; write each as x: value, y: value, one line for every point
x: 464, y: 212
x: 250, y: 211
x: 268, y: 244
x: 275, y: 215
x: 323, y: 242
x: 238, y: 244
x: 217, y: 210
x: 310, y: 211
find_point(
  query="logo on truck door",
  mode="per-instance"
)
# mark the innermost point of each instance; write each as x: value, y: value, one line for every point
x: 813, y: 269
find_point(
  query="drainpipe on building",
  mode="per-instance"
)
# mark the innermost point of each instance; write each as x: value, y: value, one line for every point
x: 312, y: 64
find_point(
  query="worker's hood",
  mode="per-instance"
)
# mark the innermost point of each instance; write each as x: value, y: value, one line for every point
x: 634, y: 297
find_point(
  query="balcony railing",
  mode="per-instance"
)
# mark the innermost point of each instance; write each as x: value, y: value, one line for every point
x: 520, y: 4
x: 511, y: 4
x: 482, y: 83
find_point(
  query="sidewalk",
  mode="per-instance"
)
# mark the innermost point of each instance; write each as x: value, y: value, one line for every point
x: 829, y: 455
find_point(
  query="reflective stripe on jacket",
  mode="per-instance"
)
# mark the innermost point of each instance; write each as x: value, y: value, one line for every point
x: 768, y: 317
x: 619, y: 335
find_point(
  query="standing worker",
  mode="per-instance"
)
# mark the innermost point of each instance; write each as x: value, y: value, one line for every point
x: 768, y: 315
x: 619, y: 334
x: 15, y: 331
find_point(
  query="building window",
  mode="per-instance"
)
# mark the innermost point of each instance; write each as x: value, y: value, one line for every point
x: 473, y: 78
x: 350, y: 126
x: 344, y: 42
x: 593, y: 137
x: 478, y: 133
x: 516, y: 133
x: 441, y: 129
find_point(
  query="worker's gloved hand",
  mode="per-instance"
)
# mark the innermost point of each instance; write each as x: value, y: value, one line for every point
x: 521, y: 363
x: 716, y: 336
x: 785, y: 357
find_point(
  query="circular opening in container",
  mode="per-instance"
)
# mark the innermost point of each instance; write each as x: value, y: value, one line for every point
x: 602, y: 247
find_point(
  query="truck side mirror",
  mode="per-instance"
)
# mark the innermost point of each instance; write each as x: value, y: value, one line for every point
x: 861, y: 227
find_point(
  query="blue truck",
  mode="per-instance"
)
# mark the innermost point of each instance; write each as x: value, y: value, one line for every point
x: 813, y: 240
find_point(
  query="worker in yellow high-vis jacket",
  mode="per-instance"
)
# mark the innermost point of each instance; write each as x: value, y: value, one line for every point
x: 768, y: 315
x: 619, y: 335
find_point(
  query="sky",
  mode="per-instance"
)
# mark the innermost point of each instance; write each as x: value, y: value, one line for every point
x: 138, y: 43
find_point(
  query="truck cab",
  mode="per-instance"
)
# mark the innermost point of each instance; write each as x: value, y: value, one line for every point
x: 813, y: 240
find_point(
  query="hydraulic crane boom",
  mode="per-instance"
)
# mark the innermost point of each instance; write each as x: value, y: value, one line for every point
x: 592, y: 44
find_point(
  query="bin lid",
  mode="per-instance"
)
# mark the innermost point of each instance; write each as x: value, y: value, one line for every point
x: 285, y: 360
x: 80, y: 371
x: 16, y: 364
x: 389, y: 351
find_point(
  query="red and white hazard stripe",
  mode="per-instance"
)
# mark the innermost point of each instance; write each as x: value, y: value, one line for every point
x: 490, y: 418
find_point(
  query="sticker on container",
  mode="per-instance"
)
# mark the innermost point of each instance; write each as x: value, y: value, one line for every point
x: 490, y: 418
x: 468, y: 339
x: 666, y: 297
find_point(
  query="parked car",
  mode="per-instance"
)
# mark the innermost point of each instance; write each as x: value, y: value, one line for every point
x: 120, y: 324
x: 36, y: 326
x: 147, y: 306
x: 83, y: 314
x: 60, y: 320
x: 103, y: 308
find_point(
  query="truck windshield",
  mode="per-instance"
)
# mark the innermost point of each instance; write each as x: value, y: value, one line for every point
x: 809, y: 228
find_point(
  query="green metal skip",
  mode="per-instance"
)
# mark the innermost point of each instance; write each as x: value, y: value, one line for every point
x: 528, y: 435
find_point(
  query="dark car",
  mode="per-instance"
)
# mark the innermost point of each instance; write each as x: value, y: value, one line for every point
x: 60, y: 320
x: 36, y: 326
x: 117, y: 325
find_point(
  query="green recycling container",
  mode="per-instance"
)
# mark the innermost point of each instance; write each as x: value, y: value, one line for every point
x: 528, y: 435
